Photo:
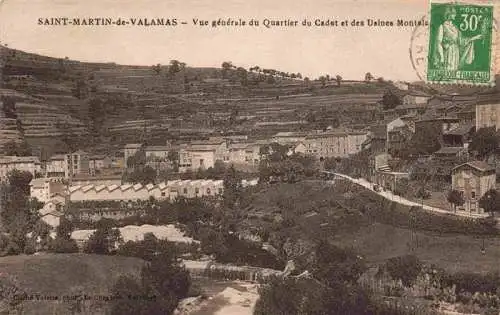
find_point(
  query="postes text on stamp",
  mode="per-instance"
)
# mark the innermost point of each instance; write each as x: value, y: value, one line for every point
x: 460, y: 44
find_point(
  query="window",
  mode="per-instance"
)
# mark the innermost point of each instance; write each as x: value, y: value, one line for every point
x: 473, y: 194
x: 163, y: 194
x: 185, y: 191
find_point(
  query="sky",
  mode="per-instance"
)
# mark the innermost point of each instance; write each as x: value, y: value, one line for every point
x: 312, y: 51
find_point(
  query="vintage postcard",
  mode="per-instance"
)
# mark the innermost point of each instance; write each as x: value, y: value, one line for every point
x: 229, y: 157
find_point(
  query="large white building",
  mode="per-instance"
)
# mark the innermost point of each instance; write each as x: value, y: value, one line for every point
x: 166, y: 190
x: 29, y: 164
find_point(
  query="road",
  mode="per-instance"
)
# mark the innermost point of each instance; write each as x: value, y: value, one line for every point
x: 389, y: 195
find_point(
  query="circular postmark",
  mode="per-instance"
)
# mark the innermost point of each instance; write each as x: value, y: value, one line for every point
x: 419, y: 54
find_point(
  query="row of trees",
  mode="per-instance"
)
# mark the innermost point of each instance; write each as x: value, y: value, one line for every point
x: 280, y: 163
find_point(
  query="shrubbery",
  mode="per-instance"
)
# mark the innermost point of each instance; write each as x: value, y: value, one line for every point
x: 395, y: 214
x: 162, y: 284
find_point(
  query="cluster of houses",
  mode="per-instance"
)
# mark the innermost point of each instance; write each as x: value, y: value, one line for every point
x: 452, y: 120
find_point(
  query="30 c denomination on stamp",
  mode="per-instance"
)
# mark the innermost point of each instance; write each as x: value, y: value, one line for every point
x: 461, y: 40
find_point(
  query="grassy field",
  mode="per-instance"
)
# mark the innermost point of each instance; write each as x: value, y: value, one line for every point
x: 320, y: 211
x: 67, y: 274
x: 378, y: 242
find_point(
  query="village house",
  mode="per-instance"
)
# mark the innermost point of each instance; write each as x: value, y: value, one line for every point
x: 399, y: 131
x: 355, y: 140
x: 243, y: 153
x: 410, y: 109
x: 459, y: 135
x: 56, y: 166
x: 376, y: 139
x: 488, y: 115
x: 327, y: 144
x: 77, y: 163
x: 467, y: 114
x: 46, y: 188
x: 98, y: 162
x: 158, y: 151
x: 415, y: 97
x: 202, y: 154
x: 473, y: 180
x: 29, y: 164
x: 451, y: 154
x: 52, y: 211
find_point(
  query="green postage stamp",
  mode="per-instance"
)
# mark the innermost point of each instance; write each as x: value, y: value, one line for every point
x: 461, y: 44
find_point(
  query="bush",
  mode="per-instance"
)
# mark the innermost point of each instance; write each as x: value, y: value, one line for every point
x: 61, y: 245
x: 30, y: 248
x: 406, y: 268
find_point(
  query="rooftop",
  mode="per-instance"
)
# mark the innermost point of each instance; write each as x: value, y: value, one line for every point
x: 478, y: 165
x: 19, y: 159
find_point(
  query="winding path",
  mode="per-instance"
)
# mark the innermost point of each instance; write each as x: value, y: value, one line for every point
x: 390, y: 196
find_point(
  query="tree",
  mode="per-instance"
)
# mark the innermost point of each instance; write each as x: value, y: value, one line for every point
x: 323, y: 80
x: 127, y: 286
x: 337, y: 266
x: 338, y: 79
x: 242, y: 75
x: 176, y: 66
x: 455, y: 198
x: 63, y: 243
x: 144, y: 175
x: 485, y: 141
x: 490, y: 201
x: 368, y: 77
x: 104, y: 240
x: 232, y: 187
x: 390, y: 100
x: 157, y: 68
x: 163, y: 281
x: 18, y: 213
x: 406, y: 268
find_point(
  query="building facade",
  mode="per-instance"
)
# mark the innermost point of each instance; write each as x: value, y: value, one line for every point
x: 202, y: 154
x: 46, y: 188
x: 473, y: 180
x: 29, y: 164
x: 77, y: 163
x: 488, y: 115
x: 167, y: 190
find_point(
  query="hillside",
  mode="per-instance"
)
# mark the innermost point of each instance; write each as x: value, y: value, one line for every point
x: 60, y: 100
x: 66, y: 274
x: 319, y: 209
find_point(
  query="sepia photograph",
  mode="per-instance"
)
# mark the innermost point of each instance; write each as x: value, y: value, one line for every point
x: 230, y: 157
